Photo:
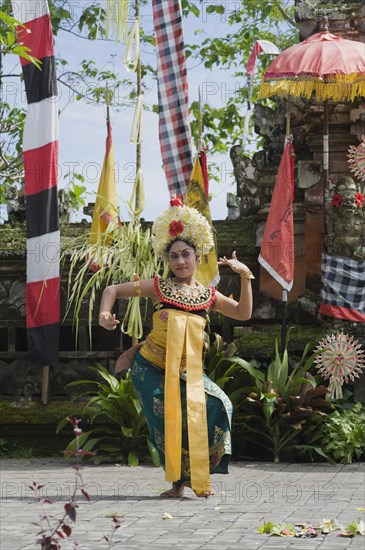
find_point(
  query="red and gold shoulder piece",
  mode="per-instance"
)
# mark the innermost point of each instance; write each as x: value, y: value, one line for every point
x: 184, y: 296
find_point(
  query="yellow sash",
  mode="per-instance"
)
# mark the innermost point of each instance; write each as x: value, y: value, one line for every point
x: 185, y: 334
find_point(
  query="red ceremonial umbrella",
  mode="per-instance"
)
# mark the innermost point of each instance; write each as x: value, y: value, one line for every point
x: 325, y: 66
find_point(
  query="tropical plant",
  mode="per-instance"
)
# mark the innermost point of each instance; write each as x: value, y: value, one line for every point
x: 123, y: 436
x: 8, y: 39
x: 11, y: 118
x: 70, y: 198
x: 342, y: 435
x: 281, y: 403
x: 229, y: 371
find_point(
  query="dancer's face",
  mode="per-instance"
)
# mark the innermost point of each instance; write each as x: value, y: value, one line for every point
x: 182, y: 259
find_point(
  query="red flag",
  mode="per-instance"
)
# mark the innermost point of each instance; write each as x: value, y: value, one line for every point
x: 260, y: 46
x: 277, y: 248
x: 40, y: 147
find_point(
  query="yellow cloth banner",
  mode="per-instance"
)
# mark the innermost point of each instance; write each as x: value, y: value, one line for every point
x: 106, y: 205
x: 185, y: 333
x: 207, y: 271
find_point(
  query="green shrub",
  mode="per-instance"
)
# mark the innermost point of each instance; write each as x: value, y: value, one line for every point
x: 281, y: 405
x: 124, y: 435
x: 229, y: 371
x: 342, y: 435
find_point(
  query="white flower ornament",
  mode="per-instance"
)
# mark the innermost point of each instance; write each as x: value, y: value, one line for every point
x: 183, y: 223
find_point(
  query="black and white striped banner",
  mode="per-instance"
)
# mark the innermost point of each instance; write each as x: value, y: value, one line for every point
x: 40, y: 148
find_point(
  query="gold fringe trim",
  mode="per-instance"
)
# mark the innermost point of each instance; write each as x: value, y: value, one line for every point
x: 341, y: 88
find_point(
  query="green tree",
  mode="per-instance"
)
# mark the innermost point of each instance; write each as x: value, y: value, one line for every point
x: 8, y: 42
x: 249, y: 19
x: 11, y: 120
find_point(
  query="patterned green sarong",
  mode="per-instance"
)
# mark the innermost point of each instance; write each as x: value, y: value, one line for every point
x: 148, y: 383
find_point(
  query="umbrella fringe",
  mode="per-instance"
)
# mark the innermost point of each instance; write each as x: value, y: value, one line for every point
x: 340, y: 88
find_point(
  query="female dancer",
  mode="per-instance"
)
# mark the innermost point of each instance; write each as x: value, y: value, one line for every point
x: 188, y: 416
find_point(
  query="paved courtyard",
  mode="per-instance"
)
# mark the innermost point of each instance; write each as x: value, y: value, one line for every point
x: 251, y: 494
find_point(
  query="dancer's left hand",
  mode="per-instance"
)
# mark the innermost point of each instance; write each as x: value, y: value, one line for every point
x: 234, y: 264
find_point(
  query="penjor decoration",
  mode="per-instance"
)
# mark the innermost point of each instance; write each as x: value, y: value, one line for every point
x: 340, y: 359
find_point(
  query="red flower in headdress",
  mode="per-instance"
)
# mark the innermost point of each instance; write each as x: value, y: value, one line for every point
x: 359, y: 199
x: 176, y: 228
x: 176, y: 201
x: 336, y: 201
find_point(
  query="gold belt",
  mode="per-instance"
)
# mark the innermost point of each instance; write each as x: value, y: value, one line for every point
x: 157, y: 354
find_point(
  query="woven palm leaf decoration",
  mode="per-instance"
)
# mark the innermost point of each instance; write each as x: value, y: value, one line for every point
x: 340, y: 359
x: 357, y: 159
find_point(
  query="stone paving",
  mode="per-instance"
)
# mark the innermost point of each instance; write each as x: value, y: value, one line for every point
x: 250, y: 494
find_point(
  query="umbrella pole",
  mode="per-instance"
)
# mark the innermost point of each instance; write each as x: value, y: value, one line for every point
x: 325, y: 169
x: 284, y: 303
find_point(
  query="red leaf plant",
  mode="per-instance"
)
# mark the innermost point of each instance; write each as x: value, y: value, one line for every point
x: 115, y: 525
x: 52, y: 530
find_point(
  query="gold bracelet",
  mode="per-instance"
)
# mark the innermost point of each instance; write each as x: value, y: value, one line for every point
x: 105, y: 313
x: 137, y: 285
x: 247, y: 275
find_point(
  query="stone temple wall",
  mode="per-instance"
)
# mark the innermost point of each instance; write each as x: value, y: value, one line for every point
x: 242, y: 231
x: 254, y: 338
x: 104, y: 346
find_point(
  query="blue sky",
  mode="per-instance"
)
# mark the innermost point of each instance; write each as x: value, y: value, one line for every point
x: 83, y: 131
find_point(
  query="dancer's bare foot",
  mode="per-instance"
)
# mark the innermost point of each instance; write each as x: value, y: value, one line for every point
x: 203, y: 494
x: 178, y: 488
x: 176, y: 491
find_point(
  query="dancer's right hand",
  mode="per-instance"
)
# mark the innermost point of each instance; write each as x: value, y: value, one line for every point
x: 108, y: 320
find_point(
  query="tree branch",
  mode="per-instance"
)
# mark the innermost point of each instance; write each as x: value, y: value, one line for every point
x: 101, y: 38
x: 8, y: 129
x: 84, y: 37
x: 285, y: 14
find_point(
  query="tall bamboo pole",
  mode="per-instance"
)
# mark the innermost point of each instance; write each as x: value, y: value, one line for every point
x: 107, y: 101
x: 200, y: 123
x: 139, y: 144
x: 137, y: 204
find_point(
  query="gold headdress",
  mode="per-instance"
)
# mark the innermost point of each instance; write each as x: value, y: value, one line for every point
x: 183, y: 223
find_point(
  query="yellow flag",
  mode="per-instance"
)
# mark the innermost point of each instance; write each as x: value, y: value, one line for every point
x: 106, y: 205
x: 196, y: 196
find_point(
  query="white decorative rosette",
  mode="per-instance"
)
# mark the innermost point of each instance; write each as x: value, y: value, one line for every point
x: 183, y: 223
x: 357, y: 159
x: 340, y: 359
